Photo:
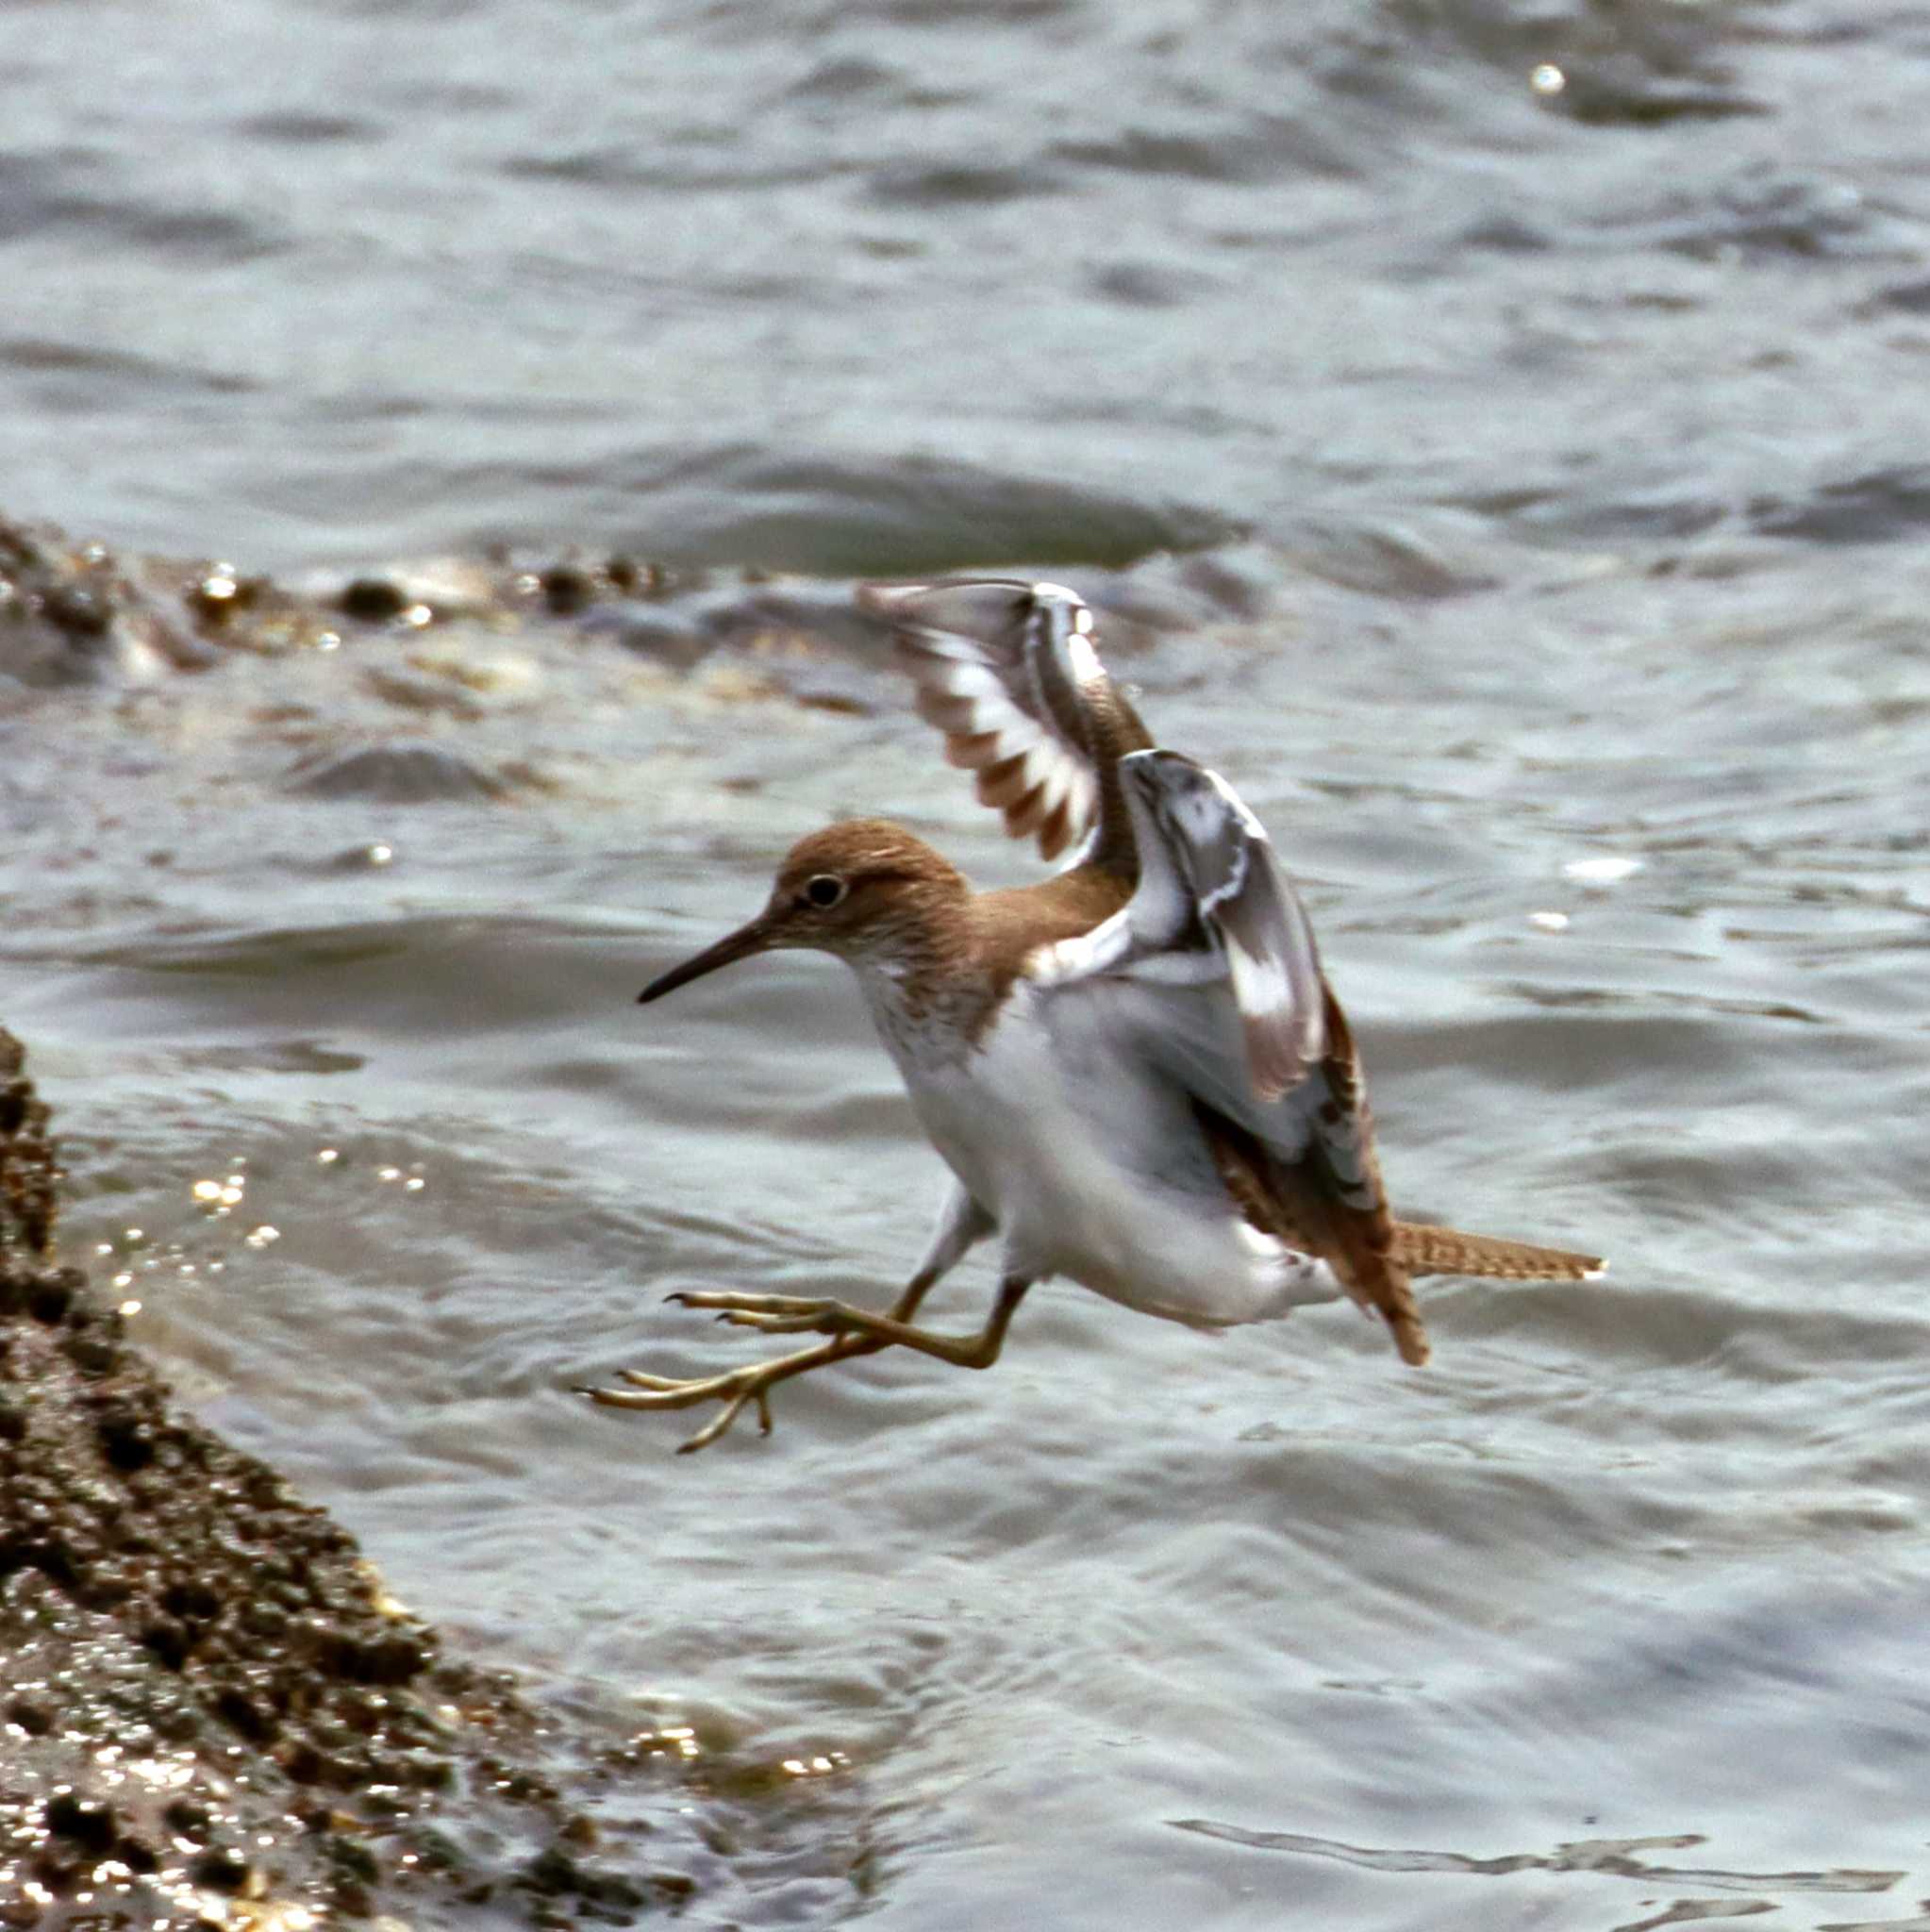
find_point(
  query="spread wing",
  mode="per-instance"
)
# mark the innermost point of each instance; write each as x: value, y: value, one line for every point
x: 1210, y: 972
x: 1214, y: 911
x: 1008, y: 673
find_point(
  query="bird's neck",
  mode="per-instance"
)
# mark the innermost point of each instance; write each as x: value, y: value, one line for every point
x: 937, y: 989
x: 930, y: 1007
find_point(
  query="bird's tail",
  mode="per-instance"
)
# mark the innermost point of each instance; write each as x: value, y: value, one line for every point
x: 1422, y: 1249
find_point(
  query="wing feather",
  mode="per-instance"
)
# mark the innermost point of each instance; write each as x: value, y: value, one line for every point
x: 1210, y: 867
x: 1004, y: 669
x: 1209, y: 973
x: 1212, y: 975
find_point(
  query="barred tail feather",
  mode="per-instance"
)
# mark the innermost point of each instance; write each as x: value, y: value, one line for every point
x: 1422, y: 1249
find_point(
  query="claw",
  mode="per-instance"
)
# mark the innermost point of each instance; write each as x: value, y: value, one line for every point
x: 712, y: 1429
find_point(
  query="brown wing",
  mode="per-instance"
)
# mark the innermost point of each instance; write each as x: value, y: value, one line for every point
x: 1329, y: 1202
x: 1326, y: 1200
x: 1006, y: 672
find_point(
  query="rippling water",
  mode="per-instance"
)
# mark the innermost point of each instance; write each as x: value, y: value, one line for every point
x: 1534, y: 396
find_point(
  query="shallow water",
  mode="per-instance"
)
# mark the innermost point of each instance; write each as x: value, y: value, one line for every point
x: 1559, y: 612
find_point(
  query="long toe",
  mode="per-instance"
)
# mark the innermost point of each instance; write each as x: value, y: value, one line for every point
x: 810, y: 1317
x: 737, y: 1302
x: 664, y: 1392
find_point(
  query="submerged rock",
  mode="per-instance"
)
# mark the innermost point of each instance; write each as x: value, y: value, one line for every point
x: 396, y: 775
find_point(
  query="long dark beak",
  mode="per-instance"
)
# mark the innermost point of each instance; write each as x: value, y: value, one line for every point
x: 740, y: 945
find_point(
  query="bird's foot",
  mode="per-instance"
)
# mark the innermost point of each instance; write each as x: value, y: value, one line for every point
x: 781, y: 1314
x: 734, y: 1389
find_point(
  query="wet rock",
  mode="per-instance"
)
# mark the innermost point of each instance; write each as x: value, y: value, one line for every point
x: 33, y: 1716
x: 76, y: 614
x: 567, y: 589
x: 165, y: 1596
x: 76, y: 609
x: 217, y: 596
x: 419, y: 592
x: 52, y: 1294
x: 555, y: 1873
x: 220, y: 1868
x: 371, y: 600
x: 187, y: 1816
x: 73, y: 614
x: 633, y: 579
x: 88, y: 1822
x: 1623, y: 93
x: 126, y: 1439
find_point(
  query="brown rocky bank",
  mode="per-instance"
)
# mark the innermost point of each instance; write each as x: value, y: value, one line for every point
x: 210, y: 1711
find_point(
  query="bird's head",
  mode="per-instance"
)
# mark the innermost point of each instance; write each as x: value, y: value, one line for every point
x: 864, y: 890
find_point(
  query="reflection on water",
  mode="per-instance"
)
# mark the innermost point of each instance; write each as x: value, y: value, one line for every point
x: 1620, y: 1857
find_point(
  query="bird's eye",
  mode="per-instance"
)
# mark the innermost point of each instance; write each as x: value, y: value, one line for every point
x: 824, y: 892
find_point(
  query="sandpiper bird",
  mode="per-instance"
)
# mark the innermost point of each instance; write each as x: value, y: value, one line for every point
x: 1135, y: 1070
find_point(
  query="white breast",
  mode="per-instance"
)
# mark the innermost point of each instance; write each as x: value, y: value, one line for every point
x: 1091, y: 1163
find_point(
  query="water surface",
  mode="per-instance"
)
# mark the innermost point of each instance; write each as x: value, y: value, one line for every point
x: 1513, y: 490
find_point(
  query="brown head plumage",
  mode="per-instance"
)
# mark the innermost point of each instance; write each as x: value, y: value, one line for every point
x: 864, y: 890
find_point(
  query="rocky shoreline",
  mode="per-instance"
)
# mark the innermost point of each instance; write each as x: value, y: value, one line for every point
x: 211, y: 1711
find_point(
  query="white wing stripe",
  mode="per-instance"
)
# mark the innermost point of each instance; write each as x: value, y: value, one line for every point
x: 984, y: 655
x: 1210, y: 886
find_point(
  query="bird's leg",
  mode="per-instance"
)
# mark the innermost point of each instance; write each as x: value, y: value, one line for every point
x: 961, y: 1225
x: 869, y: 1333
x: 788, y: 1315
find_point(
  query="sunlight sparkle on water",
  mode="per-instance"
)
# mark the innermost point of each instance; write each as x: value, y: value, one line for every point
x: 1604, y: 870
